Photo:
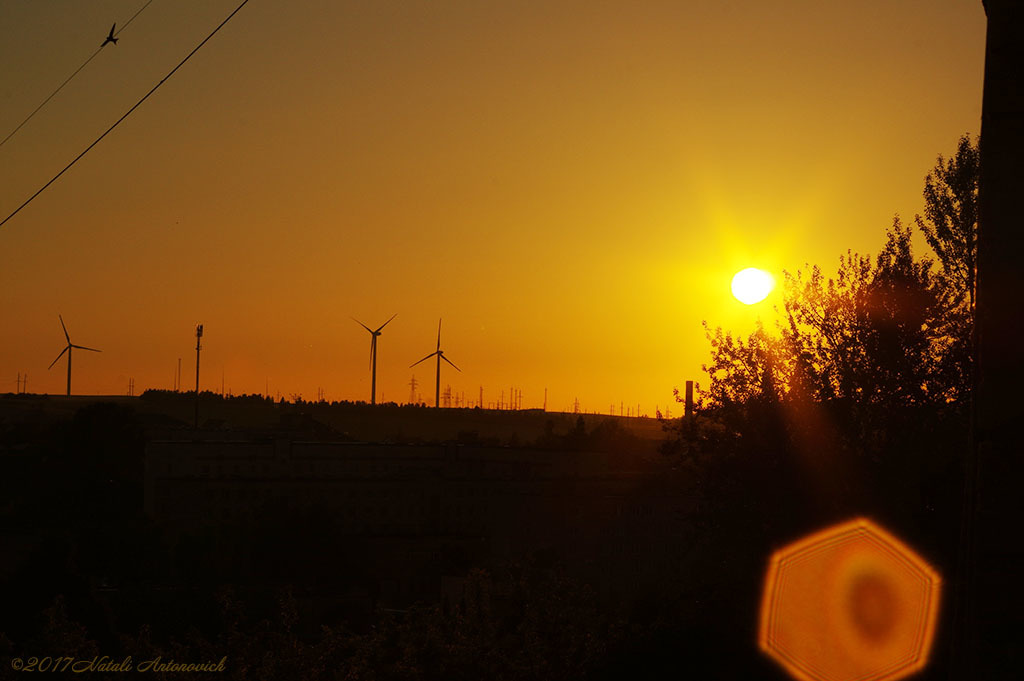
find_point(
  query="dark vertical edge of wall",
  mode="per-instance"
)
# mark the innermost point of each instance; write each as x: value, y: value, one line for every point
x: 990, y: 591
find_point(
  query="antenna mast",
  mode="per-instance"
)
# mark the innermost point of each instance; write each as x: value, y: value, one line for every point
x: 199, y: 337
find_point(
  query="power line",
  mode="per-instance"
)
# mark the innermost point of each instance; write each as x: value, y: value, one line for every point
x: 128, y: 113
x: 68, y: 80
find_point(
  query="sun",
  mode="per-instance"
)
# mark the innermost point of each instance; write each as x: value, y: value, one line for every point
x: 752, y: 285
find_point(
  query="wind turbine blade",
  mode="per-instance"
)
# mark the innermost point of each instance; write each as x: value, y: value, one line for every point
x: 385, y: 323
x: 438, y: 334
x: 450, y: 362
x: 423, y: 360
x: 361, y: 324
x: 82, y: 347
x: 65, y: 329
x: 373, y: 343
x: 58, y: 357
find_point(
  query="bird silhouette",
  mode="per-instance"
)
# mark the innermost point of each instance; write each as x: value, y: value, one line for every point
x: 110, y: 37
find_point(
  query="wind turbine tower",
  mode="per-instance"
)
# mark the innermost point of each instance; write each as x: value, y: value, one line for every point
x: 439, y: 353
x: 67, y: 349
x: 373, y: 355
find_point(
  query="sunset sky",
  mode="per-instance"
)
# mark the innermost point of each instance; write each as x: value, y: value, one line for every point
x: 570, y: 185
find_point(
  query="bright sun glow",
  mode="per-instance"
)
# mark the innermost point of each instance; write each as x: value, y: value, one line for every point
x: 752, y: 285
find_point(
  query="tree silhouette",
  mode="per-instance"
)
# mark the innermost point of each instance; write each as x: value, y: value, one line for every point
x: 744, y: 370
x: 886, y: 332
x: 875, y: 334
x: 950, y: 226
x: 950, y: 222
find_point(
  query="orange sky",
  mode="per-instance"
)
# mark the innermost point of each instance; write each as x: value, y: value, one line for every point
x: 571, y: 185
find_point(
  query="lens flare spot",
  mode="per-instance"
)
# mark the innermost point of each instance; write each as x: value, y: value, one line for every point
x: 849, y: 603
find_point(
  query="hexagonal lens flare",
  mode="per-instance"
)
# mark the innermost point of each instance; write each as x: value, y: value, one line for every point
x: 849, y: 603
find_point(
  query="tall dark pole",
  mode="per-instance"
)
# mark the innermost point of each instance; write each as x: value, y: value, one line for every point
x: 989, y: 592
x: 199, y: 336
x: 69, y: 370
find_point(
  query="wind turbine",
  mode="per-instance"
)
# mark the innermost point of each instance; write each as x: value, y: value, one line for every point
x: 440, y: 355
x: 67, y: 349
x: 373, y: 355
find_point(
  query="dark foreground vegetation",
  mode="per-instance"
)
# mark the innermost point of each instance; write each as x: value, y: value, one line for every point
x: 855, y: 406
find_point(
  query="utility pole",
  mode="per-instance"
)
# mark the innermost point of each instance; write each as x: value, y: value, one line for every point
x: 199, y: 338
x: 412, y: 389
x: 481, y: 402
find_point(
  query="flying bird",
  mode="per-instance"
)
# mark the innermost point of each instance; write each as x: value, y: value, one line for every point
x: 110, y: 37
